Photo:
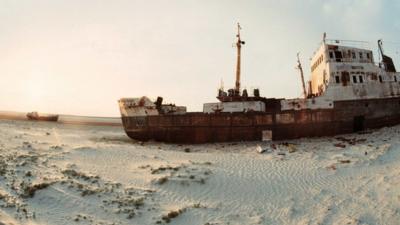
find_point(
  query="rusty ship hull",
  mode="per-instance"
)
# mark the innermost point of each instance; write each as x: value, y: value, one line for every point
x: 345, y: 117
x: 46, y: 117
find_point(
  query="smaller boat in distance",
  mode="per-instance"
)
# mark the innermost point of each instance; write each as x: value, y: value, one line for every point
x: 42, y: 117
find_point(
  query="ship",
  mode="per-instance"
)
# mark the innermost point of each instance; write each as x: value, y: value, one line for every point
x: 42, y: 117
x: 347, y: 92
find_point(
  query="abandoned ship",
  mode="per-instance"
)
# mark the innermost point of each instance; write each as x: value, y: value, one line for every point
x: 42, y: 117
x: 347, y: 93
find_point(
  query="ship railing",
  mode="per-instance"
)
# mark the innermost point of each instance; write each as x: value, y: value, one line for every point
x: 350, y: 60
x: 349, y: 43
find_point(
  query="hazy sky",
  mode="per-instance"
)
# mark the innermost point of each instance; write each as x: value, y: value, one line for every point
x: 80, y: 57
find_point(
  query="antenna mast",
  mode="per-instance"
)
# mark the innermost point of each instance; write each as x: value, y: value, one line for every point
x: 239, y: 44
x: 302, y: 75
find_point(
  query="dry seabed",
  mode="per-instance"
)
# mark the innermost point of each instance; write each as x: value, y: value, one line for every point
x: 65, y: 174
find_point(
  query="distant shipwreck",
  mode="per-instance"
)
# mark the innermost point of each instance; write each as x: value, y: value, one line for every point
x: 42, y: 117
x: 347, y: 93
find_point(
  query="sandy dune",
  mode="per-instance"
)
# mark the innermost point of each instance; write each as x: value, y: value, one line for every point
x: 67, y: 174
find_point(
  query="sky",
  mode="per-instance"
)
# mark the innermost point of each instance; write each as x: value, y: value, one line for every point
x: 79, y: 57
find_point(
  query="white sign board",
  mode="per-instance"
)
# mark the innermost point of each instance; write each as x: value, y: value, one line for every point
x: 267, y: 135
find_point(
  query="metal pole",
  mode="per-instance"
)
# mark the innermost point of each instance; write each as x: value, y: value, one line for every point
x: 238, y: 46
x: 302, y: 75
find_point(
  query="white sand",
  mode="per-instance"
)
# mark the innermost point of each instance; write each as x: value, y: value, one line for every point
x: 66, y: 174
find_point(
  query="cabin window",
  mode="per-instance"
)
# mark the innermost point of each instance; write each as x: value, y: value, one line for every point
x: 348, y: 54
x: 331, y: 55
x: 361, y: 79
x: 361, y: 55
x: 380, y: 79
x: 345, y: 78
x: 353, y: 54
x: 337, y: 78
x: 338, y: 56
x: 395, y: 79
x: 354, y: 79
x: 368, y: 56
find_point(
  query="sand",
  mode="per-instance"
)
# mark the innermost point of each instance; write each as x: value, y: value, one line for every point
x: 53, y: 173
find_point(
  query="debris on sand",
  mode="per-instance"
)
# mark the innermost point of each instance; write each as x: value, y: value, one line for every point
x: 339, y: 145
x: 332, y: 167
x: 184, y: 174
x: 72, y: 173
x: 162, y: 180
x: 55, y: 147
x: 207, y: 163
x: 292, y: 148
x: 344, y: 161
x: 260, y: 150
x: 30, y: 190
x: 351, y: 141
x: 171, y: 215
x: 165, y: 168
x: 3, y: 167
x: 128, y: 205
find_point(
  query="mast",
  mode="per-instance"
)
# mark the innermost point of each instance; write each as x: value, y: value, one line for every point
x: 239, y: 44
x: 302, y: 75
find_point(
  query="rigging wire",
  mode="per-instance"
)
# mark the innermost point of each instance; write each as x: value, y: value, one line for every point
x: 338, y: 40
x: 391, y: 42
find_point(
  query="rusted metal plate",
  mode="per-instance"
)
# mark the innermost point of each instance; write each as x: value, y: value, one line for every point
x: 200, y: 119
x: 322, y: 116
x: 303, y: 116
x: 285, y: 118
x: 220, y: 134
x: 166, y: 121
x: 181, y: 120
x: 242, y: 120
x: 243, y: 133
x: 265, y: 119
x: 220, y: 120
x: 153, y: 120
x: 202, y: 135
